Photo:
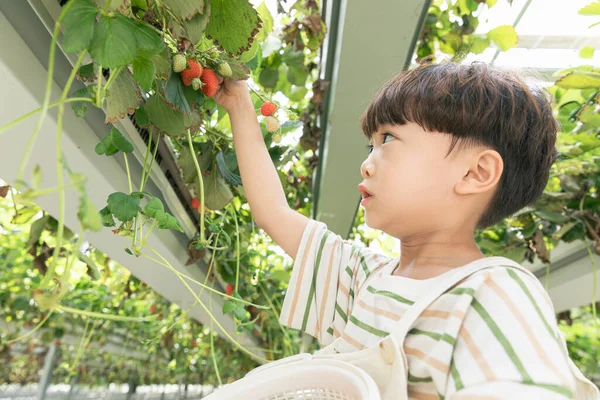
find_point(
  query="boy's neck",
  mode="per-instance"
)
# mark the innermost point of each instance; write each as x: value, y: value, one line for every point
x: 428, y: 258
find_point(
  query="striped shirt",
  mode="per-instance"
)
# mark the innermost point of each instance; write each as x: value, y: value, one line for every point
x: 494, y: 335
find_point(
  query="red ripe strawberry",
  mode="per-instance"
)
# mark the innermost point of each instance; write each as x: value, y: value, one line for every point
x: 229, y: 289
x: 210, y: 84
x: 152, y: 309
x: 194, y: 71
x: 193, y: 343
x: 56, y: 342
x: 302, y: 178
x: 268, y: 109
x: 195, y: 203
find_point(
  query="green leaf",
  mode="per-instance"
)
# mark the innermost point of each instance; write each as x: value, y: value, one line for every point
x: 587, y: 115
x: 216, y: 192
x: 268, y: 78
x: 107, y: 217
x: 175, y: 94
x: 141, y: 118
x: 147, y: 39
x: 79, y: 26
x: 86, y: 73
x: 479, y: 44
x: 239, y: 71
x: 35, y: 232
x: 185, y: 9
x: 164, y: 117
x: 124, y: 96
x: 143, y: 72
x: 590, y: 9
x: 555, y: 217
x: 153, y: 207
x: 579, y: 80
x: 128, y: 251
x: 194, y: 28
x: 250, y: 53
x: 88, y: 216
x: 123, y: 206
x: 267, y: 22
x: 297, y: 76
x: 162, y: 63
x: 505, y: 37
x: 586, y: 52
x: 240, y: 313
x: 80, y: 107
x: 233, y: 179
x: 167, y: 221
x: 491, y: 3
x: 114, y: 44
x: 113, y: 143
x: 122, y: 6
x: 232, y: 24
x: 229, y: 306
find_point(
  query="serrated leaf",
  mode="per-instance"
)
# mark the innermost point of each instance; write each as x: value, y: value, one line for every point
x: 107, y: 217
x: 144, y: 71
x: 86, y: 73
x: 504, y: 36
x: 167, y: 221
x: 232, y: 25
x: 194, y: 28
x: 36, y: 230
x: 148, y: 40
x: 175, y: 94
x: 586, y: 52
x: 579, y: 80
x: 162, y: 63
x: 195, y: 98
x: 267, y: 22
x: 233, y: 179
x: 268, y: 78
x: 551, y: 216
x: 216, y: 192
x: 114, y: 44
x: 123, y: 206
x: 113, y: 143
x: 122, y: 6
x: 79, y: 26
x: 140, y: 116
x: 185, y: 9
x: 590, y: 9
x: 124, y: 96
x: 88, y: 216
x: 587, y: 115
x: 154, y: 206
x: 164, y: 117
x: 80, y: 107
x: 240, y: 313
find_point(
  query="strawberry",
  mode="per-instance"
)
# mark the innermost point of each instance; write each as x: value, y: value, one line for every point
x: 271, y: 123
x: 193, y: 343
x: 194, y: 71
x: 57, y: 343
x: 195, y: 203
x: 277, y: 138
x: 224, y: 70
x: 179, y: 63
x: 152, y: 309
x: 229, y: 289
x: 210, y: 82
x: 268, y: 109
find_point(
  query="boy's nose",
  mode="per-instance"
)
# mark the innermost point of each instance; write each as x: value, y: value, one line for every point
x: 367, y: 169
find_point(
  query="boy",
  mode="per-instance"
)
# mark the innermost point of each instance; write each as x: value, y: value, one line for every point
x: 453, y: 148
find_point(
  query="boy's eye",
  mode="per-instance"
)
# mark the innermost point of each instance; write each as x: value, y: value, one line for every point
x: 386, y: 135
x: 370, y: 147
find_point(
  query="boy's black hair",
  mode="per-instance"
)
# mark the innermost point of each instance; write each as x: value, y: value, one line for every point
x: 478, y: 105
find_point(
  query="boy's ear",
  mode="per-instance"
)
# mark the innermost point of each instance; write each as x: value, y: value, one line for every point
x: 483, y: 172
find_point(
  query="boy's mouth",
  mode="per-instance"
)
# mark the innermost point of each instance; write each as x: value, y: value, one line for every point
x: 363, y: 191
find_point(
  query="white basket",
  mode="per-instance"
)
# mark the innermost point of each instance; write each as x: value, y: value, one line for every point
x: 302, y: 379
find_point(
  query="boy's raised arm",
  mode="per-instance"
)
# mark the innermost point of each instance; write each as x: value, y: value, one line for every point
x: 261, y: 183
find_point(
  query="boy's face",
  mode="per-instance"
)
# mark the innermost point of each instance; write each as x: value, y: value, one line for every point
x: 410, y: 180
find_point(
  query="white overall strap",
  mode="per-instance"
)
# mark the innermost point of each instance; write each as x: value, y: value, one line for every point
x: 413, y: 313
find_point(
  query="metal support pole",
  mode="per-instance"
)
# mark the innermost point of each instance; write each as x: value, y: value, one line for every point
x: 49, y: 362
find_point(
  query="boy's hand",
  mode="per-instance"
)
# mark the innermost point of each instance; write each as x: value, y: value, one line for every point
x: 232, y: 94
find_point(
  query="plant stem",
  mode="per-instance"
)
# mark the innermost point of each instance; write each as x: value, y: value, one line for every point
x: 146, y: 160
x: 112, y: 76
x: 37, y: 110
x: 189, y: 278
x: 201, y: 184
x: 128, y: 172
x: 594, y: 284
x: 59, y: 170
x: 111, y: 317
x: 237, y: 247
x: 48, y: 92
x: 212, y: 317
x: 99, y: 87
x: 212, y: 349
x: 34, y: 330
x: 151, y: 160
